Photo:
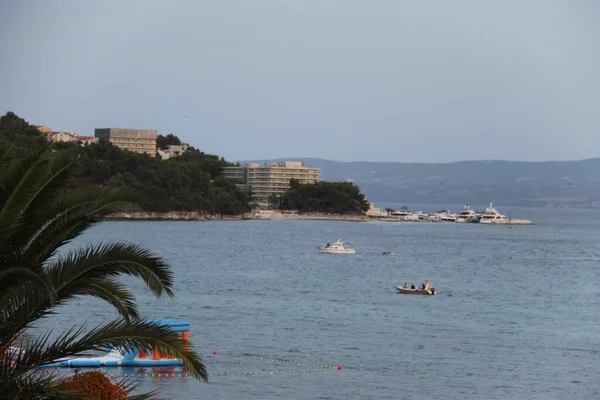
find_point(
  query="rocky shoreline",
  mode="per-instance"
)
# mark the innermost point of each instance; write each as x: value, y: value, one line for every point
x: 170, y: 216
x: 200, y: 216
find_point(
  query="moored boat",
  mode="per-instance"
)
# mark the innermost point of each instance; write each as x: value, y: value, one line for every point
x: 445, y: 215
x: 421, y: 215
x: 492, y: 216
x: 405, y: 214
x: 336, y: 248
x: 466, y: 214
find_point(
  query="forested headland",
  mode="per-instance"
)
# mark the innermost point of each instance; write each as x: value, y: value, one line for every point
x: 190, y: 182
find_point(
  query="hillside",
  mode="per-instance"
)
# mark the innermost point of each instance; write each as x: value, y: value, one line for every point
x: 542, y: 184
x: 190, y: 182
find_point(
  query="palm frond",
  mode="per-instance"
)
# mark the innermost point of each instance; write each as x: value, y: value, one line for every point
x: 16, y: 277
x: 7, y: 157
x: 89, y: 271
x: 34, y: 386
x: 72, y: 214
x: 63, y: 166
x: 20, y: 307
x: 28, y: 184
x: 110, y: 290
x: 120, y: 334
x: 145, y: 396
x: 36, y: 211
x: 111, y: 260
x: 44, y: 384
x: 38, y: 215
x: 20, y: 182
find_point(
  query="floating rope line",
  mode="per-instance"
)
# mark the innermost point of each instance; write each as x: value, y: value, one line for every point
x: 279, y: 360
x: 185, y: 375
x: 303, y: 371
x: 165, y: 375
x: 308, y: 368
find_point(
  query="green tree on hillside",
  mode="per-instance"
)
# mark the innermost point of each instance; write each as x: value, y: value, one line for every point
x: 162, y: 142
x: 325, y: 197
x: 20, y: 133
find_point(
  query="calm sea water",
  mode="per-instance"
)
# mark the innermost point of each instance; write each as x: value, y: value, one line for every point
x: 517, y: 315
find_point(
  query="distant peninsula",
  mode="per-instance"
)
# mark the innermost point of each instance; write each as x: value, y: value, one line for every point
x: 507, y: 183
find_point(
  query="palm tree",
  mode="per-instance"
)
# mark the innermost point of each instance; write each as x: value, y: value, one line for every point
x: 389, y: 211
x: 39, y: 213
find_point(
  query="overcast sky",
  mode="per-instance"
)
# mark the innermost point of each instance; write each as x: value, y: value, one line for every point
x: 378, y: 80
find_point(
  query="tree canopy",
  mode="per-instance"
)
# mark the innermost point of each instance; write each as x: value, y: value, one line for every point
x: 189, y: 182
x: 20, y: 133
x: 162, y: 142
x: 324, y: 197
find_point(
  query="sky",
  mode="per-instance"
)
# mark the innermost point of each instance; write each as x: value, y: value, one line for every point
x: 356, y: 80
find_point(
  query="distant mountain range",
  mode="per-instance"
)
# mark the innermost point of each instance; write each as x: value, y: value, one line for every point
x: 517, y: 183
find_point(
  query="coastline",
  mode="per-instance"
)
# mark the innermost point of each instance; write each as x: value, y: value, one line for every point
x: 273, y: 215
x: 199, y: 216
x: 164, y: 216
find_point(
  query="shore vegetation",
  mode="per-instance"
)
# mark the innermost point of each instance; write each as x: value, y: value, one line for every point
x: 322, y: 197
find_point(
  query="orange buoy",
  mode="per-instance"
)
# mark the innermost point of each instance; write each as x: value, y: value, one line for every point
x: 214, y: 352
x: 339, y: 367
x: 185, y: 336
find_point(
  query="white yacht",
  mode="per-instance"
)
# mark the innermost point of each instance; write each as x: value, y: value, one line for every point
x: 491, y: 216
x: 405, y: 214
x: 433, y: 218
x: 421, y: 215
x: 466, y: 214
x: 445, y: 216
x: 336, y: 248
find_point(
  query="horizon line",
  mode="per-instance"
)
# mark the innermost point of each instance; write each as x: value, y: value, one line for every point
x: 410, y: 162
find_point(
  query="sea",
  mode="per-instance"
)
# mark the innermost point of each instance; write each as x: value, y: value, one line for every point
x: 517, y: 314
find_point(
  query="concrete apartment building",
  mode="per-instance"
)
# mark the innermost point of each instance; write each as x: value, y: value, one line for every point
x: 45, y: 130
x: 60, y: 136
x: 267, y: 180
x: 71, y: 137
x: 136, y: 140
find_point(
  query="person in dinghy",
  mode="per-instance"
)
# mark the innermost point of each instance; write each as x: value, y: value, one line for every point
x: 425, y: 289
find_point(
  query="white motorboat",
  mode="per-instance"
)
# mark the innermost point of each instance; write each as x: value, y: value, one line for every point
x: 405, y: 214
x: 466, y: 214
x: 445, y: 216
x: 336, y: 248
x: 421, y: 215
x: 491, y: 216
